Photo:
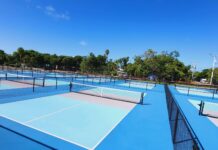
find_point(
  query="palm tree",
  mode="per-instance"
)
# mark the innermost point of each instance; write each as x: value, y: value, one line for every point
x: 21, y: 53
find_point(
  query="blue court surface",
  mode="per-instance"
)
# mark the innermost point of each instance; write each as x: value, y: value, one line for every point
x: 206, y: 128
x: 53, y: 118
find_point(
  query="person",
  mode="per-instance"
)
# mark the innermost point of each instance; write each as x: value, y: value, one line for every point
x: 70, y: 85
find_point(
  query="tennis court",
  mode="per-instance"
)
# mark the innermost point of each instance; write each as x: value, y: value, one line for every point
x: 88, y: 117
x: 93, y: 80
x: 209, y: 111
x: 4, y: 84
x: 198, y: 91
x: 142, y: 85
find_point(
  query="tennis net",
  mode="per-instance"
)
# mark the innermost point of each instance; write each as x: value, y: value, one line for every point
x: 110, y: 93
x: 194, y: 90
x: 209, y: 109
x: 140, y: 84
x: 25, y: 79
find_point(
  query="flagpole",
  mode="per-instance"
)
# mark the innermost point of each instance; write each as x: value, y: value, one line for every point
x: 213, y: 68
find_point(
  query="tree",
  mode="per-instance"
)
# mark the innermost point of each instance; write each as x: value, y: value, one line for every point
x: 21, y: 53
x: 107, y: 52
x: 122, y: 62
x: 164, y: 66
x: 150, y: 53
x: 2, y: 57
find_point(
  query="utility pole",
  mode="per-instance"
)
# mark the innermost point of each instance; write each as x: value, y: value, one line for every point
x: 213, y: 68
x: 193, y: 67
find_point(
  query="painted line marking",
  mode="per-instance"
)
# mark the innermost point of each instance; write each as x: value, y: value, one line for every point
x: 75, y: 143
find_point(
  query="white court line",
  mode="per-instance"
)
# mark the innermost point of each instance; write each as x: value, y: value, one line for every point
x: 111, y: 129
x: 72, y: 142
x: 75, y: 143
x: 55, y: 112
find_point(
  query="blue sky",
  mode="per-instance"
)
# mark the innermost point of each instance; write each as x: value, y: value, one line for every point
x: 126, y: 27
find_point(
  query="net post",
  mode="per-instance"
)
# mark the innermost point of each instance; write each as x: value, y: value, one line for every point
x: 70, y: 85
x: 188, y: 91
x: 201, y: 108
x: 146, y: 86
x: 43, y: 84
x: 142, y: 98
x: 6, y: 76
x: 214, y: 91
x: 100, y: 80
x: 129, y: 84
x: 56, y: 82
x: 33, y: 84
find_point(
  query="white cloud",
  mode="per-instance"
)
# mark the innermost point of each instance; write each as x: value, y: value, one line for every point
x: 82, y: 43
x: 52, y: 12
x: 49, y: 9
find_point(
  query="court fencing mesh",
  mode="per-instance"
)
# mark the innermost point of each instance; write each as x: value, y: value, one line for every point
x: 183, y: 136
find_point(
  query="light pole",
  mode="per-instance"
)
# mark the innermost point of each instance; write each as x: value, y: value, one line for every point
x: 213, y: 68
x: 193, y: 71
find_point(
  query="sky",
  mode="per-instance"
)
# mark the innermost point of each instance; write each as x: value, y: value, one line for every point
x: 125, y: 27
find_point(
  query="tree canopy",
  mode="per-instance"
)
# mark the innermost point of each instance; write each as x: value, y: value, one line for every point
x: 164, y: 66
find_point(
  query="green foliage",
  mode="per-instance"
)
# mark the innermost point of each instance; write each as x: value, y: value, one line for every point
x: 164, y: 66
x: 122, y: 62
x: 2, y: 57
x: 206, y: 74
x: 94, y: 64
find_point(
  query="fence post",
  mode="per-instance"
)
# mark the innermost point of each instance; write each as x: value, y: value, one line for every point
x: 175, y: 127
